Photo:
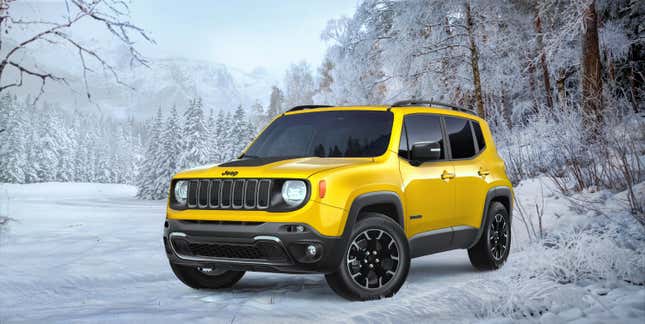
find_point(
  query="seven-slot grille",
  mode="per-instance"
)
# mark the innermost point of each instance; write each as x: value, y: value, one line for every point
x: 229, y: 193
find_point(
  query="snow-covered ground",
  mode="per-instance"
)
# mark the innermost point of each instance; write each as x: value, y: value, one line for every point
x: 93, y: 253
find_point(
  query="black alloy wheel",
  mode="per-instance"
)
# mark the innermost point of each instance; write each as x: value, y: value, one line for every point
x: 373, y: 258
x: 498, y: 237
x: 493, y: 247
x: 376, y: 261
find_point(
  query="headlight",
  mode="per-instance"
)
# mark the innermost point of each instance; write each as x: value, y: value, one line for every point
x: 181, y: 191
x: 294, y: 192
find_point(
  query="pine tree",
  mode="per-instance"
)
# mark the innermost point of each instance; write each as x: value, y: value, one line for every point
x: 83, y: 156
x: 32, y: 164
x: 257, y: 117
x: 195, y: 150
x: 211, y: 136
x: 66, y: 141
x: 220, y: 137
x: 76, y: 129
x: 171, y: 149
x: 150, y: 166
x: 243, y: 132
x: 276, y: 102
x: 48, y: 145
x: 12, y: 141
x: 103, y: 159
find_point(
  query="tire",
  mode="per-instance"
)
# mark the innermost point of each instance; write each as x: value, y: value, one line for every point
x: 200, y: 278
x: 369, y: 277
x: 494, y: 245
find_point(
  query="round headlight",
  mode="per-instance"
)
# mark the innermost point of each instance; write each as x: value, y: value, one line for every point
x: 181, y: 191
x: 294, y: 192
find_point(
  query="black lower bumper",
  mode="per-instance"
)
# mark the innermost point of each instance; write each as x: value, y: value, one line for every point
x: 242, y: 246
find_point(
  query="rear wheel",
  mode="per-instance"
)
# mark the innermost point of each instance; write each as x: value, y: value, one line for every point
x: 491, y: 251
x: 375, y: 263
x: 206, y: 278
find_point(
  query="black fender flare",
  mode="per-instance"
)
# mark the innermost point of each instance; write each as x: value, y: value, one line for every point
x: 372, y: 198
x: 495, y: 192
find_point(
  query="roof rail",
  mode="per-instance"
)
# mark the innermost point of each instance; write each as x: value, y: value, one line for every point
x: 303, y: 107
x: 409, y: 103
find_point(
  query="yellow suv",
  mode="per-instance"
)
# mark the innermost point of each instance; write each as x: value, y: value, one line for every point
x: 350, y: 192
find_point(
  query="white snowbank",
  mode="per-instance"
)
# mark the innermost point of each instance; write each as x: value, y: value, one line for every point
x: 52, y: 190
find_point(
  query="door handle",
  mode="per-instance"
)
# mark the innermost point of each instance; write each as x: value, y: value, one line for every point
x: 483, y: 172
x: 447, y: 175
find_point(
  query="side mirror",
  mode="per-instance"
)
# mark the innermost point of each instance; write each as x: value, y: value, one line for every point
x: 425, y: 151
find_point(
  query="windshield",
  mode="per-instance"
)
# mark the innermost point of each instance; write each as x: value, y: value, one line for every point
x: 325, y: 134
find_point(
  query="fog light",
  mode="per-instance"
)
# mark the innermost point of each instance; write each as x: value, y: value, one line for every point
x: 300, y: 228
x: 312, y: 250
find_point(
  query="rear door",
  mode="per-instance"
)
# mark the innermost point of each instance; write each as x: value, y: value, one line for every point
x: 429, y: 191
x: 471, y: 170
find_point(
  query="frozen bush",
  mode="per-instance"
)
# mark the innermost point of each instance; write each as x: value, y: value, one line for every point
x: 553, y: 143
x: 517, y: 298
x: 585, y: 256
x: 539, y: 144
x: 554, y: 275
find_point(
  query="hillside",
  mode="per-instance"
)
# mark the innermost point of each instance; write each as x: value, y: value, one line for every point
x: 166, y: 82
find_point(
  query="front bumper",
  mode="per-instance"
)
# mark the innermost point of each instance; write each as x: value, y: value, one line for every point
x: 250, y: 246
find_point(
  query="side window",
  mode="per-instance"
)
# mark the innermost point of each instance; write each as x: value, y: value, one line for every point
x: 403, y: 145
x: 462, y: 142
x: 424, y: 132
x: 479, y: 135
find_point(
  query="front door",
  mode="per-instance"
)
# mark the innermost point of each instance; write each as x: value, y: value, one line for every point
x: 428, y: 186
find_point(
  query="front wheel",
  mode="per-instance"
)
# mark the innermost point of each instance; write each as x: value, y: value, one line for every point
x: 491, y: 251
x: 206, y: 278
x: 376, y: 262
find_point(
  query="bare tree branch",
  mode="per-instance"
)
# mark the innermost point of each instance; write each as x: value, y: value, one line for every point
x: 113, y: 14
x: 43, y: 78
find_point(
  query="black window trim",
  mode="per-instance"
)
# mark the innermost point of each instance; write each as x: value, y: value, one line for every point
x: 472, y: 127
x: 446, y: 139
x: 472, y: 133
x: 446, y: 147
x: 404, y: 132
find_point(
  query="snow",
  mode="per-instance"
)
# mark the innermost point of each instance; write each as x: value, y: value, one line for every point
x: 76, y: 252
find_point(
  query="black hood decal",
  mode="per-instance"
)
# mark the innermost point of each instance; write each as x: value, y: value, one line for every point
x: 253, y: 162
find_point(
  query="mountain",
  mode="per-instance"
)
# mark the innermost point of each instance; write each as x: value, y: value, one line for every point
x: 175, y: 81
x: 166, y: 82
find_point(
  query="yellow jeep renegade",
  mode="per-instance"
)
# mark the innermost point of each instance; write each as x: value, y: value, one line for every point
x: 350, y: 192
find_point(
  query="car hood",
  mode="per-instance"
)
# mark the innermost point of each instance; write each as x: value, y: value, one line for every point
x: 299, y: 168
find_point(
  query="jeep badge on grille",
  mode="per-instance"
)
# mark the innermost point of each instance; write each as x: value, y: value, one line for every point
x: 231, y: 173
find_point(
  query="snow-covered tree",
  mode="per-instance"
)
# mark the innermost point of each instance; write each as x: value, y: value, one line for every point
x: 242, y: 132
x: 226, y: 144
x: 48, y: 144
x: 276, y: 102
x: 171, y: 150
x: 219, y: 136
x: 150, y: 170
x: 299, y: 85
x: 13, y: 151
x: 194, y: 136
x: 211, y: 135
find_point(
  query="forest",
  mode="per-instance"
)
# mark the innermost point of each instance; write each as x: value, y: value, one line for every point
x: 560, y: 81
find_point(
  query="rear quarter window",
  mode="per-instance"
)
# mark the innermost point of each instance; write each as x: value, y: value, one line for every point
x: 460, y: 135
x: 478, y: 135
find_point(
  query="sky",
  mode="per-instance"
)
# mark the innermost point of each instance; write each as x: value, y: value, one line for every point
x: 243, y: 33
